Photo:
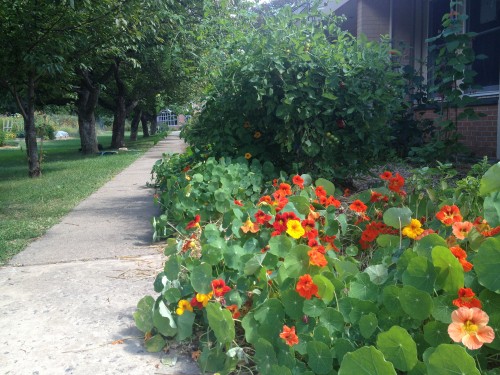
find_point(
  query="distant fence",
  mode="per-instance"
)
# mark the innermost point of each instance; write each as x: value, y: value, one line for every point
x: 169, y: 118
x: 6, y: 124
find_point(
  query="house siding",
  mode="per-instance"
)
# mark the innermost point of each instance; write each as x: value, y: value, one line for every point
x: 373, y: 18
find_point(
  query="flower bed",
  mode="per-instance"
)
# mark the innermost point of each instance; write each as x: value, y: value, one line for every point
x: 302, y: 281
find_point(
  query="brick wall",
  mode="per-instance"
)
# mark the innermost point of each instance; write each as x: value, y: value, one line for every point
x: 373, y: 18
x: 480, y: 136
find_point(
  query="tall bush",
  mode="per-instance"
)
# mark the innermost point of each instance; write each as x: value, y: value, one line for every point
x: 298, y: 91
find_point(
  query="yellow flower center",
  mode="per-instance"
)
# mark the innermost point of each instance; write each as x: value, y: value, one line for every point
x: 470, y: 327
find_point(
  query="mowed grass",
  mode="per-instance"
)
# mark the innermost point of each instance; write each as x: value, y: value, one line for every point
x: 28, y: 207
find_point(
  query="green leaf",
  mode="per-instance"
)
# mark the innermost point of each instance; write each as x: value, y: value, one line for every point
x: 171, y: 247
x: 366, y: 361
x: 301, y: 204
x: 265, y: 356
x: 143, y: 316
x: 391, y: 299
x: 425, y: 245
x: 314, y: 307
x: 436, y: 333
x: 332, y: 319
x: 172, y: 267
x: 320, y: 358
x: 270, y: 311
x: 293, y: 303
x: 221, y: 322
x: 164, y: 321
x: 362, y: 288
x: 172, y: 295
x: 325, y: 288
x: 486, y: 264
x: 327, y: 185
x: 201, y: 278
x: 492, y: 209
x: 378, y: 274
x: 280, y: 246
x: 322, y: 334
x: 416, y: 303
x: 490, y: 182
x: 185, y: 325
x: 388, y: 240
x: 420, y: 274
x: 297, y: 261
x: 368, y: 325
x: 450, y: 273
x: 398, y: 347
x: 494, y: 323
x: 397, y: 217
x: 155, y: 344
x: 449, y: 359
x: 443, y: 307
x: 253, y: 264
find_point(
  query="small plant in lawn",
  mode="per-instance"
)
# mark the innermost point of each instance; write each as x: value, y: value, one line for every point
x: 300, y: 281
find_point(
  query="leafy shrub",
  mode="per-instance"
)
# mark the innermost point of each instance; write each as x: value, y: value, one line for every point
x: 299, y: 282
x: 47, y: 131
x: 301, y: 94
x: 213, y: 186
x: 3, y: 137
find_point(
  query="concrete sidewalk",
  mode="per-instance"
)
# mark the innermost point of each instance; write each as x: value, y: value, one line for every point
x: 66, y: 302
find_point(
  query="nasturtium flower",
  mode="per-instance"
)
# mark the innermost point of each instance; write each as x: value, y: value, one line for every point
x: 396, y: 183
x: 449, y: 215
x: 257, y: 135
x: 194, y: 223
x: 378, y: 197
x: 248, y: 155
x: 261, y: 217
x: 220, y: 288
x: 320, y: 191
x: 426, y: 232
x: 235, y: 312
x: 238, y: 203
x: 469, y: 326
x: 461, y: 229
x: 288, y: 334
x: 195, y: 303
x: 249, y: 226
x: 491, y: 232
x: 306, y: 287
x: 413, y: 230
x: 299, y: 181
x: 182, y: 306
x: 461, y: 255
x: 467, y: 298
x: 294, y: 229
x: 316, y: 258
x: 358, y: 206
x: 386, y: 175
x: 204, y: 298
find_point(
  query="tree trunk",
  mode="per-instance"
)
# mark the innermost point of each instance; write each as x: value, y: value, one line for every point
x: 118, y: 137
x: 134, y: 127
x: 86, y: 104
x: 144, y: 122
x: 154, y: 125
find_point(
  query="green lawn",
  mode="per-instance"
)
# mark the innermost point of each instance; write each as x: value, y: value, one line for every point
x: 28, y: 207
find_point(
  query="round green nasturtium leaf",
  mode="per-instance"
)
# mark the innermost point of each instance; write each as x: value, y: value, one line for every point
x: 327, y: 185
x: 185, y: 325
x: 251, y: 326
x: 398, y: 347
x: 486, y: 264
x: 172, y: 267
x: 490, y: 300
x: 265, y: 356
x: 494, y: 323
x: 297, y: 261
x: 201, y: 278
x: 211, y: 254
x: 293, y: 303
x: 362, y: 288
x: 280, y: 370
x: 314, y: 307
x: 320, y: 358
x: 378, y: 273
x: 322, y: 334
x: 325, y: 288
x: 490, y: 182
x: 221, y: 322
x: 391, y: 299
x: 352, y: 250
x: 397, y: 217
x: 253, y: 264
x: 451, y: 359
x: 450, y: 273
x: 143, y: 316
x: 419, y: 369
x: 388, y: 240
x: 492, y: 209
x: 424, y: 246
x: 436, y: 333
x: 172, y: 295
x: 345, y: 268
x: 171, y: 247
x: 155, y: 344
x: 280, y: 245
x: 332, y: 319
x: 164, y: 321
x: 443, y: 307
x: 420, y: 274
x: 416, y: 303
x: 366, y: 361
x: 368, y: 325
x: 270, y: 311
x: 301, y: 204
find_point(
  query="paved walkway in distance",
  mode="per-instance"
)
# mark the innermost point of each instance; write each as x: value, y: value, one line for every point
x: 68, y: 298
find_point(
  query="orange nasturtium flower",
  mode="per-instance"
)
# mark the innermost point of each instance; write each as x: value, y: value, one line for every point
x: 358, y: 206
x: 295, y: 229
x: 257, y: 135
x: 385, y: 176
x: 194, y: 223
x: 289, y: 336
x: 396, y: 183
x: 235, y: 312
x: 461, y: 255
x: 306, y: 287
x: 469, y: 326
x: 413, y: 230
x: 467, y: 298
x: 182, y: 306
x: 248, y: 155
x: 220, y: 288
x: 249, y: 226
x: 461, y: 229
x: 316, y: 258
x: 449, y: 215
x: 299, y: 181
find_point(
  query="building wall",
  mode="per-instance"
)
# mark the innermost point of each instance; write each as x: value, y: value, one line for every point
x: 480, y: 136
x: 373, y: 18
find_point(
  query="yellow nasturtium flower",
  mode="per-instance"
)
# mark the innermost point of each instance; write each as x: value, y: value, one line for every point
x: 295, y: 229
x: 182, y: 306
x: 413, y: 230
x: 204, y: 298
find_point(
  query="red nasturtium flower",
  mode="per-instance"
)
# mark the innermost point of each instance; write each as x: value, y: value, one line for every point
x: 358, y: 206
x: 261, y: 217
x: 306, y: 287
x: 461, y: 229
x: 194, y: 223
x: 289, y: 336
x: 467, y: 298
x: 385, y: 176
x: 220, y: 288
x: 283, y: 191
x: 299, y: 181
x: 316, y: 258
x: 461, y: 255
x: 235, y: 312
x: 449, y: 215
x: 320, y: 191
x: 469, y: 326
x: 238, y: 203
x: 396, y: 183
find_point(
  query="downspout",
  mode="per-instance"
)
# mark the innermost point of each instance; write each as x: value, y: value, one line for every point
x: 391, y: 4
x: 498, y: 117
